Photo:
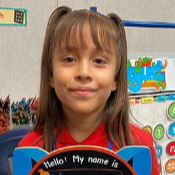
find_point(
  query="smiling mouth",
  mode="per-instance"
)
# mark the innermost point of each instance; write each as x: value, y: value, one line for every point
x: 83, y: 91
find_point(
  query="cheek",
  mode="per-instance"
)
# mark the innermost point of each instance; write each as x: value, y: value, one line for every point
x: 60, y: 76
x: 59, y: 85
x: 57, y: 80
x: 106, y: 79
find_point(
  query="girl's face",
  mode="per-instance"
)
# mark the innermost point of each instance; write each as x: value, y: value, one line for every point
x: 83, y: 79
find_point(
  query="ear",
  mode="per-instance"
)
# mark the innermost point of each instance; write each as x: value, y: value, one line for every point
x: 51, y: 82
x: 114, y: 86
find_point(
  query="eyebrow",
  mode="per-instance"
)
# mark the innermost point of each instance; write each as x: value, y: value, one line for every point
x: 69, y: 48
x: 73, y: 48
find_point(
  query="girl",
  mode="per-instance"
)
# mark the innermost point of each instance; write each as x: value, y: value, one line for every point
x: 83, y: 90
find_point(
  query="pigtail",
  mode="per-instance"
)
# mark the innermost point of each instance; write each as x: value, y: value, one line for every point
x: 121, y: 38
x: 54, y: 19
x: 48, y: 99
x: 118, y: 102
x: 52, y: 23
x: 56, y: 15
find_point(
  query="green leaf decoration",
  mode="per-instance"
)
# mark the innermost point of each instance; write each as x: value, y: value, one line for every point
x: 145, y: 59
x: 138, y: 69
x: 153, y: 63
x: 159, y: 82
x: 158, y: 74
x: 163, y: 86
x: 139, y: 63
x: 129, y: 63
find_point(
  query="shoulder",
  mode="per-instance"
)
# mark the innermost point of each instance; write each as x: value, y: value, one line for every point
x: 33, y: 138
x: 140, y: 136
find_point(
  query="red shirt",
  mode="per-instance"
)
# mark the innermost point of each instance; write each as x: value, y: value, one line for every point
x: 98, y: 138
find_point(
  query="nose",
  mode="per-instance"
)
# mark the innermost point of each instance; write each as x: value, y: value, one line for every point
x: 83, y: 71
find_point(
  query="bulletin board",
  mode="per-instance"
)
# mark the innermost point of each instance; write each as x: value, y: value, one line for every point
x: 152, y: 98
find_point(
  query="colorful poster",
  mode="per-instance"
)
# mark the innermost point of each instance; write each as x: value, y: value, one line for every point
x: 150, y: 75
x: 82, y: 160
x: 13, y: 16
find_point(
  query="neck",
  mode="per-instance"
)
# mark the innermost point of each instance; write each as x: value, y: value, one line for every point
x: 81, y: 126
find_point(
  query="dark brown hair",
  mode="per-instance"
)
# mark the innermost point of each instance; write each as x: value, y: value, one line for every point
x: 106, y: 32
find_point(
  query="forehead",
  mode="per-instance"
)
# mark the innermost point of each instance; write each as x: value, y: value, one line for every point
x: 83, y: 30
x: 79, y: 39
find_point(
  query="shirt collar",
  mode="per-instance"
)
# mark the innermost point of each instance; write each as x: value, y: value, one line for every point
x: 65, y: 137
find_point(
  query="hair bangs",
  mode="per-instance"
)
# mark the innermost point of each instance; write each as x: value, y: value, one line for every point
x: 70, y: 32
x: 102, y: 33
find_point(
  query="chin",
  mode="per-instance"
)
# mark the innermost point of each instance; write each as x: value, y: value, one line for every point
x: 83, y: 112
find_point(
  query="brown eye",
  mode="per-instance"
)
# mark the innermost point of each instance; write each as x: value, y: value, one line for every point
x: 99, y: 61
x: 69, y: 59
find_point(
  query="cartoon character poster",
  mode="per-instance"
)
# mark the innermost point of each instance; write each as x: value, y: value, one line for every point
x: 82, y: 160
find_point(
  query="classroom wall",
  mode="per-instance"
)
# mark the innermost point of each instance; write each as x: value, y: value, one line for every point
x: 21, y: 47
